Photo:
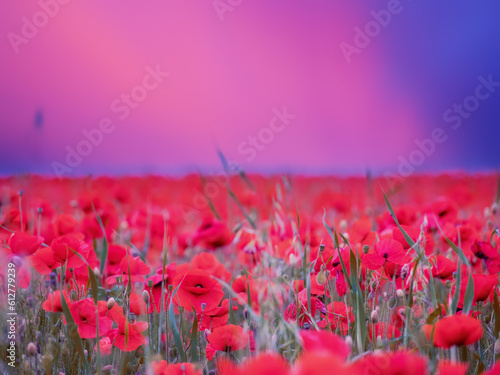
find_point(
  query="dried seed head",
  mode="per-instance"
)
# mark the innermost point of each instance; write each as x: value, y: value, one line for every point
x: 374, y: 316
x: 145, y: 296
x: 321, y: 248
x: 150, y: 283
x: 110, y: 303
x: 32, y: 349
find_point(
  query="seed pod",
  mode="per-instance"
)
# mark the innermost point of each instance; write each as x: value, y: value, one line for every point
x: 366, y: 248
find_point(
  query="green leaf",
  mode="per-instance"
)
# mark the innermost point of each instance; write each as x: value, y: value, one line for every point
x: 175, y: 330
x: 194, y: 339
x: 496, y: 309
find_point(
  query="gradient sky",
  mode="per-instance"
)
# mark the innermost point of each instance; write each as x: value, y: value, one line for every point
x: 227, y: 76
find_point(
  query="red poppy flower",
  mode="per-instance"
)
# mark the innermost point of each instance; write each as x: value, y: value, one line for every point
x: 163, y: 368
x: 483, y: 286
x: 132, y: 267
x: 137, y: 304
x: 263, y: 364
x: 53, y: 301
x: 84, y: 314
x: 451, y: 368
x: 385, y: 251
x: 197, y: 288
x: 227, y: 338
x: 105, y: 346
x: 65, y: 224
x: 443, y: 268
x: 454, y: 330
x: 64, y: 249
x: 303, y: 313
x: 43, y: 261
x: 339, y: 315
x: 128, y: 336
x: 393, y: 363
x: 115, y: 255
x: 314, y: 363
x: 24, y: 244
x: 325, y: 341
x: 490, y: 256
x: 208, y: 262
x: 212, y: 234
x: 214, y: 318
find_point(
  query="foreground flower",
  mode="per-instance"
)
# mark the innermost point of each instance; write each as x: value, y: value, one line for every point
x: 227, y: 339
x: 128, y: 336
x: 324, y: 342
x: 385, y: 251
x: 69, y: 250
x: 393, y: 363
x: 454, y: 330
x: 84, y: 314
x: 23, y: 244
x: 163, y: 368
x: 197, y: 288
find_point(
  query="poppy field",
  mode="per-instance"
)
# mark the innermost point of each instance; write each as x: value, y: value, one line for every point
x: 250, y: 274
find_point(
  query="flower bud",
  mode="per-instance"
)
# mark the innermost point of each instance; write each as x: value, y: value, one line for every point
x: 497, y: 346
x: 404, y: 271
x: 400, y: 293
x: 110, y: 303
x: 32, y: 349
x: 97, y: 272
x: 374, y: 316
x: 145, y: 296
x: 73, y: 295
x: 392, y: 302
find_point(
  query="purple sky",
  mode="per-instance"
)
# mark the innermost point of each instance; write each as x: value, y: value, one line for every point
x: 230, y: 73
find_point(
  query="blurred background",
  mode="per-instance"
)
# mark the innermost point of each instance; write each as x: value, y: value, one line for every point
x: 278, y: 86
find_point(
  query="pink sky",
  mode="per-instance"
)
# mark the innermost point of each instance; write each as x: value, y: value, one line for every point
x: 225, y: 79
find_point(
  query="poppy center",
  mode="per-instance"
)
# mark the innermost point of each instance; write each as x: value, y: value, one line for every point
x: 385, y: 255
x: 480, y: 255
x: 198, y: 286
